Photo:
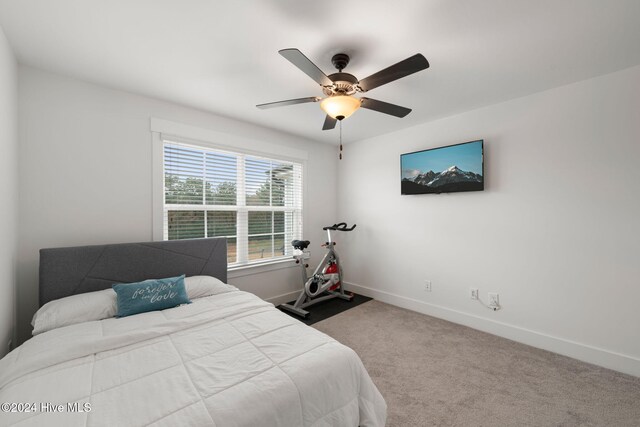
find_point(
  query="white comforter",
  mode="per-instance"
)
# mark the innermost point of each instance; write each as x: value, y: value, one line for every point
x: 226, y: 360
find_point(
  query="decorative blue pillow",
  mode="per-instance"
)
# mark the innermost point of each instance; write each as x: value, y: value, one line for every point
x: 150, y: 295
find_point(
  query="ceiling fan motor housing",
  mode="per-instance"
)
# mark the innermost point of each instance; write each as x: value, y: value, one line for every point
x: 343, y: 84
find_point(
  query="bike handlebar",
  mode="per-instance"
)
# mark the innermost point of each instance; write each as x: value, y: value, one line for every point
x: 341, y: 226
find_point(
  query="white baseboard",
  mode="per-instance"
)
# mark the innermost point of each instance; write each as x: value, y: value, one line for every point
x: 597, y: 356
x: 281, y: 299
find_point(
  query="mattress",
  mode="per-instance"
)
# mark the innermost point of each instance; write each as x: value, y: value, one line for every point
x: 227, y: 360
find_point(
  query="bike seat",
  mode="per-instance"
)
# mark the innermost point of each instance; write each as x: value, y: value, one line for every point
x: 300, y: 244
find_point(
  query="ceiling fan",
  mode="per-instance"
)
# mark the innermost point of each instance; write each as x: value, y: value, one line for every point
x: 339, y: 87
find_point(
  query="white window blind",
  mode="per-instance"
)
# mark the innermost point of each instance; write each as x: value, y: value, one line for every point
x: 255, y: 202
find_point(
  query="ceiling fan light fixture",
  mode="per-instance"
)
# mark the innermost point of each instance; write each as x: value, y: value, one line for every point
x: 340, y: 106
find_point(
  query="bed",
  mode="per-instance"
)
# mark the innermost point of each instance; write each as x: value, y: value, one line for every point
x: 228, y: 359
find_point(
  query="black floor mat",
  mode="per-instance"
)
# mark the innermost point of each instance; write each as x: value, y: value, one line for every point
x: 326, y: 309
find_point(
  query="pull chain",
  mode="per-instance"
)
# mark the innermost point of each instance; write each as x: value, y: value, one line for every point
x: 340, y: 139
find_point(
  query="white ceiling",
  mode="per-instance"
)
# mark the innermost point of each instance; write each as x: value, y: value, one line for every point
x: 222, y: 55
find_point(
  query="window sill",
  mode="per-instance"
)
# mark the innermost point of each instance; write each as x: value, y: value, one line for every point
x: 263, y: 267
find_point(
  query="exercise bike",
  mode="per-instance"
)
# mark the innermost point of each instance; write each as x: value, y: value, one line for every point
x: 326, y: 281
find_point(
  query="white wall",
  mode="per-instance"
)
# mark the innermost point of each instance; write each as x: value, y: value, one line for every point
x: 556, y: 232
x: 86, y: 175
x: 8, y: 189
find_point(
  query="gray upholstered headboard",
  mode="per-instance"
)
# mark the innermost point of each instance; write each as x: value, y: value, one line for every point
x: 75, y: 270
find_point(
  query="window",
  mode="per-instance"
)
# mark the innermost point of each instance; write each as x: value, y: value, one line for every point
x: 255, y: 202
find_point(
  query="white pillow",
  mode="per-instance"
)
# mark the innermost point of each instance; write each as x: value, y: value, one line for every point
x: 204, y: 286
x: 100, y: 305
x: 74, y: 309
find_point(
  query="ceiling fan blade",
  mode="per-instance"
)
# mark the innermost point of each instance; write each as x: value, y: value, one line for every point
x: 288, y: 102
x: 329, y: 123
x: 384, y: 107
x: 402, y: 69
x: 298, y: 59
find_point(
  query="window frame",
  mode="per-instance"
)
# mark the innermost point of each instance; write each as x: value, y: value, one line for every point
x: 163, y: 130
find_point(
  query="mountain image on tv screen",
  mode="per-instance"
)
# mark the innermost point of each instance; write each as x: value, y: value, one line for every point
x: 444, y: 170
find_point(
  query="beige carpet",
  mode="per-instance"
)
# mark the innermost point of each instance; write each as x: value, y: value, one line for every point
x: 436, y: 373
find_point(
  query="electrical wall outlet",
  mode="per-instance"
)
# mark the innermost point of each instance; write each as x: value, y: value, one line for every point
x: 494, y: 302
x: 473, y: 293
x: 427, y: 285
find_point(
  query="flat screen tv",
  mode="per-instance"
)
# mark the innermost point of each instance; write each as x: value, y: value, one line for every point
x: 447, y: 169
